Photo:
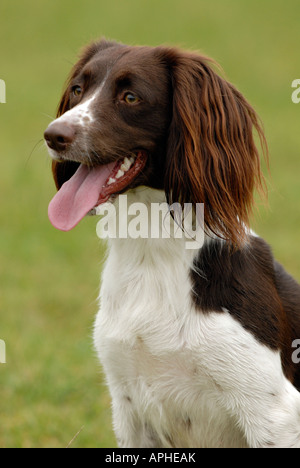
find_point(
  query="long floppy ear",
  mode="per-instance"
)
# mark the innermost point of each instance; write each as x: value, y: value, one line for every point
x: 211, y: 156
x: 62, y: 171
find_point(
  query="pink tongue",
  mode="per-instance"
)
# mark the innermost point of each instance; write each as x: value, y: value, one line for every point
x: 78, y: 196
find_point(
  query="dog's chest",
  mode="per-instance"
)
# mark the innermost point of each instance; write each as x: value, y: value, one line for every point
x: 145, y: 338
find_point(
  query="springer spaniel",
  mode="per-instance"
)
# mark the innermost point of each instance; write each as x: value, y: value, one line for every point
x: 196, y: 344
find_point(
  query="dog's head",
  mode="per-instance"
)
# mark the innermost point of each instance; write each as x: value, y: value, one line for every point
x: 158, y: 117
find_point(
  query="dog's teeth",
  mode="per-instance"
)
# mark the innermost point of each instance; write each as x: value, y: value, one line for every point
x: 119, y: 174
x: 126, y: 164
x: 131, y: 159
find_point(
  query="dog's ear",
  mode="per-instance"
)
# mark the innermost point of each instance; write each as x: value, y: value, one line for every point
x: 211, y: 156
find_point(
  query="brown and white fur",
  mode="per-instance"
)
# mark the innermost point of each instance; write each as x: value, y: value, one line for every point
x: 196, y: 345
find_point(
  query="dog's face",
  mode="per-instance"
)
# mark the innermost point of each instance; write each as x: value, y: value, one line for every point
x: 158, y: 117
x: 115, y: 113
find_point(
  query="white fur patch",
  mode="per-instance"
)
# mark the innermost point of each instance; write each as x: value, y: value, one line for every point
x: 80, y: 114
x: 179, y: 377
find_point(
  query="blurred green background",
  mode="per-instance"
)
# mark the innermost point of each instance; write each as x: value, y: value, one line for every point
x: 52, y: 385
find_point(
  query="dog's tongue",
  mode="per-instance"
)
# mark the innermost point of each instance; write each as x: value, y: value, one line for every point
x: 78, y: 196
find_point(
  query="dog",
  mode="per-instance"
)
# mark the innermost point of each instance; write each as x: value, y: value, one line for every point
x: 196, y: 344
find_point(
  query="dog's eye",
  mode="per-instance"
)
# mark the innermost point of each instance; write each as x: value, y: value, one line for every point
x: 130, y: 98
x: 77, y: 90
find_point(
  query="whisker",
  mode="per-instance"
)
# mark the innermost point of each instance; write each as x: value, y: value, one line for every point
x: 39, y: 142
x: 47, y: 115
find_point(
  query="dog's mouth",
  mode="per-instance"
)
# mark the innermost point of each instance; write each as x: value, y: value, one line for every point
x: 91, y: 186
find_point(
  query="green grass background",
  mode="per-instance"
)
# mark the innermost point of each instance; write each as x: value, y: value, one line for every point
x: 52, y: 384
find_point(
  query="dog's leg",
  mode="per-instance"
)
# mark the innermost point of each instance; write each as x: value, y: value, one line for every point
x: 250, y: 383
x: 125, y: 422
x: 269, y: 420
x: 130, y: 430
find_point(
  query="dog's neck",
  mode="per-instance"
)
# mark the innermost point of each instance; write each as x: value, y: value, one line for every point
x: 140, y: 224
x: 145, y: 270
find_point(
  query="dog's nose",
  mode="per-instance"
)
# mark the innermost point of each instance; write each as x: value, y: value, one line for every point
x: 59, y: 136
